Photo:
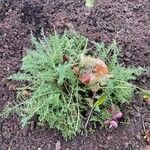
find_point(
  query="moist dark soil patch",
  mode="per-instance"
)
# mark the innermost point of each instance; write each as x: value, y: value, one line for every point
x: 127, y: 21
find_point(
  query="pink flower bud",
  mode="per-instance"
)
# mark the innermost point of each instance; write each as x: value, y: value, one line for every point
x: 113, y: 124
x: 117, y: 116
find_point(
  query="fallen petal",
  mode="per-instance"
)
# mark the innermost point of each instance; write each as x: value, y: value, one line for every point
x: 113, y: 124
x: 117, y: 116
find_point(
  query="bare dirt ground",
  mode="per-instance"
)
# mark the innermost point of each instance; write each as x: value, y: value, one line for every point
x: 126, y: 20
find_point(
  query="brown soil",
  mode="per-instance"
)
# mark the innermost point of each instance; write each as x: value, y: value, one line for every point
x: 125, y: 20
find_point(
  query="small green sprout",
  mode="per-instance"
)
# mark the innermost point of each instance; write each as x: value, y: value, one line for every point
x: 89, y: 3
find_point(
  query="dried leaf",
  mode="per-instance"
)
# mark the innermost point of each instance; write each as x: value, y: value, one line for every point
x: 26, y: 93
x: 76, y: 69
x: 89, y: 101
x: 96, y: 62
x: 65, y: 58
x: 95, y: 72
x: 95, y: 88
x: 85, y: 78
x: 101, y: 69
x: 102, y: 80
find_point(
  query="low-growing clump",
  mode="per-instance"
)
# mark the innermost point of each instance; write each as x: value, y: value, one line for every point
x: 71, y: 84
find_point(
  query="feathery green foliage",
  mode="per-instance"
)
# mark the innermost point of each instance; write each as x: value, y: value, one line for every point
x: 89, y: 3
x: 118, y: 88
x: 54, y: 92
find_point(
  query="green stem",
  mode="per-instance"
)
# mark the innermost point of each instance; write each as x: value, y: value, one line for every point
x: 89, y: 116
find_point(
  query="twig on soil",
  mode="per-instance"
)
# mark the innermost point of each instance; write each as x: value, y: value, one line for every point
x: 116, y: 36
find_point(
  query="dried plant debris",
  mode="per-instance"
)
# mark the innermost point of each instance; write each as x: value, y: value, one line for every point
x: 93, y: 72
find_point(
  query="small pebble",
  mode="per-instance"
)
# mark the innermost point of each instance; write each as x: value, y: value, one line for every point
x: 138, y: 115
x: 126, y: 144
x: 58, y: 145
x: 138, y: 137
x: 48, y: 146
x: 128, y: 54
